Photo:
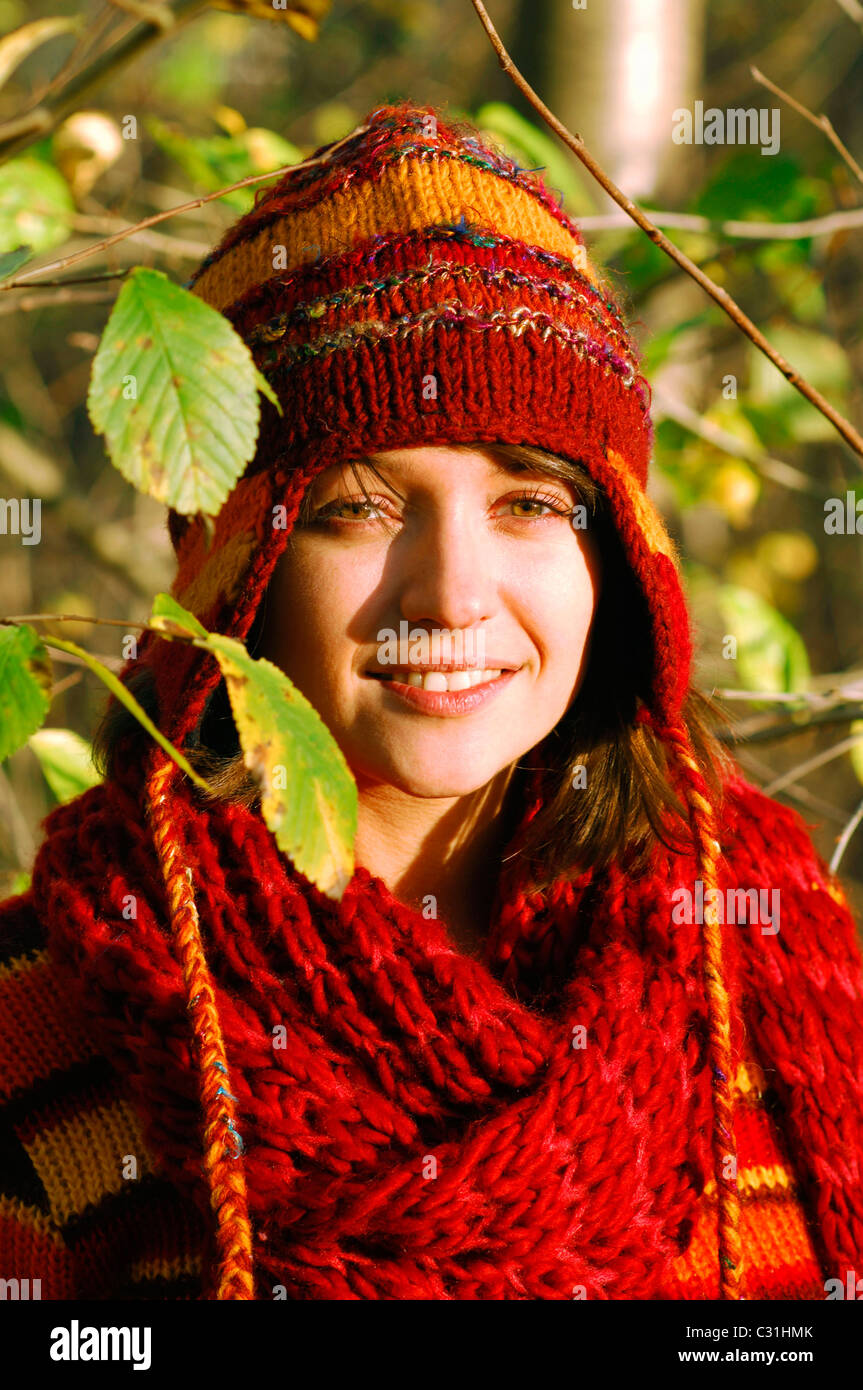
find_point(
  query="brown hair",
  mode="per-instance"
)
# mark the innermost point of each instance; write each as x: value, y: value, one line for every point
x: 627, y: 804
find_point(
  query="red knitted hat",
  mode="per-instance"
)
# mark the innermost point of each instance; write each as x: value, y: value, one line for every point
x: 427, y: 291
x: 412, y: 285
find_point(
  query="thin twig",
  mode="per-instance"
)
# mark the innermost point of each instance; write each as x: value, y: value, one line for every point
x: 720, y: 296
x: 173, y: 212
x: 844, y: 746
x: 74, y: 678
x: 90, y: 34
x: 771, y: 696
x: 70, y: 618
x: 84, y: 279
x: 741, y: 229
x: 775, y: 732
x: 44, y: 117
x: 853, y: 9
x: 845, y: 837
x: 711, y: 433
x: 829, y: 696
x: 761, y: 771
x: 822, y: 122
x: 171, y: 245
x: 153, y: 14
x: 59, y: 296
x: 114, y: 663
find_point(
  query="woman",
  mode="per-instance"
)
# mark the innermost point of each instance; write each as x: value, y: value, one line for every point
x: 526, y: 1055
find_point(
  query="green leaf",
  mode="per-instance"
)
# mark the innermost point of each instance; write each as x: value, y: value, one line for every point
x: 65, y: 759
x: 170, y: 616
x: 748, y: 185
x: 218, y: 160
x: 174, y: 390
x: 25, y: 686
x: 11, y: 261
x: 771, y: 654
x: 309, y: 797
x: 36, y: 205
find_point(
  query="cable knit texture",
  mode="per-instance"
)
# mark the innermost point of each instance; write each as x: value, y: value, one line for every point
x: 424, y: 1126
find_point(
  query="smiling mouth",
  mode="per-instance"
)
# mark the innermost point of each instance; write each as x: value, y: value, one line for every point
x: 438, y: 680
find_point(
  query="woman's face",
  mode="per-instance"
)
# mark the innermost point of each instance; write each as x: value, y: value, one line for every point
x: 466, y: 557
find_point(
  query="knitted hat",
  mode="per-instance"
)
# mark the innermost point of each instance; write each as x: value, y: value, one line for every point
x: 412, y: 285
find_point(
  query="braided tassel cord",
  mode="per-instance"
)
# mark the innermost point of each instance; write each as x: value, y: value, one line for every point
x: 702, y: 820
x: 223, y: 1146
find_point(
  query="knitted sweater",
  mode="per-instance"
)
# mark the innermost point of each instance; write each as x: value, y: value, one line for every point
x: 94, y: 1208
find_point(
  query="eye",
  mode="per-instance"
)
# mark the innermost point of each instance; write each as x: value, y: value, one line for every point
x: 552, y: 502
x: 358, y: 509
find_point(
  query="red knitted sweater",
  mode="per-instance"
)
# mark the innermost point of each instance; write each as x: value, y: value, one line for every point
x: 417, y: 1123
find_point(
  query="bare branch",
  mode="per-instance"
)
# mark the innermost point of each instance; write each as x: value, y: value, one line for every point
x: 740, y: 229
x: 67, y: 683
x: 154, y: 13
x: 720, y: 296
x: 853, y: 9
x: 826, y: 698
x: 771, y: 730
x: 822, y: 122
x: 172, y: 212
x: 775, y: 469
x: 27, y: 303
x: 844, y: 746
x: 759, y: 771
x: 21, y: 132
x: 89, y: 36
x: 82, y: 279
x: 845, y: 837
x: 71, y: 618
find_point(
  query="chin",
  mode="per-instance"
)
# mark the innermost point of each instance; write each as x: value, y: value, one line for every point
x: 439, y: 781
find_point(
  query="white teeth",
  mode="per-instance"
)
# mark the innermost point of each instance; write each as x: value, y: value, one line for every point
x: 443, y: 680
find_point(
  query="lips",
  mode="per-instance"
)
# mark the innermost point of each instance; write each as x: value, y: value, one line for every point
x: 447, y: 702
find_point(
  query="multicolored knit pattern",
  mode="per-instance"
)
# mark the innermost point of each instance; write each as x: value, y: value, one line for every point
x: 414, y: 285
x: 410, y: 284
x: 102, y: 1194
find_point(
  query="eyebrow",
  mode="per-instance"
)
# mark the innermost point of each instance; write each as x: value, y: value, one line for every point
x: 392, y: 473
x: 508, y: 466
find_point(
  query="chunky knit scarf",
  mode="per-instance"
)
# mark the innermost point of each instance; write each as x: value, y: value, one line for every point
x: 384, y: 1116
x: 415, y: 1123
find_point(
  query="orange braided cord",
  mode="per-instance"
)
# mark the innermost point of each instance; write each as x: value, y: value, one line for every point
x: 225, y: 1177
x: 718, y: 1016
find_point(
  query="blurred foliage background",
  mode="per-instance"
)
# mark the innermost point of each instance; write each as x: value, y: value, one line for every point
x: 743, y: 464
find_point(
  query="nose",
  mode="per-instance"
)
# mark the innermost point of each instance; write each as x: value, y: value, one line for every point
x: 448, y: 577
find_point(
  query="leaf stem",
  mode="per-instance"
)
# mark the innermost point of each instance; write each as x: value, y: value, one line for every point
x: 126, y: 698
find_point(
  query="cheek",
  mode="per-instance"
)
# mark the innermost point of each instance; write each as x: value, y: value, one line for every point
x: 564, y: 607
x: 315, y: 600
